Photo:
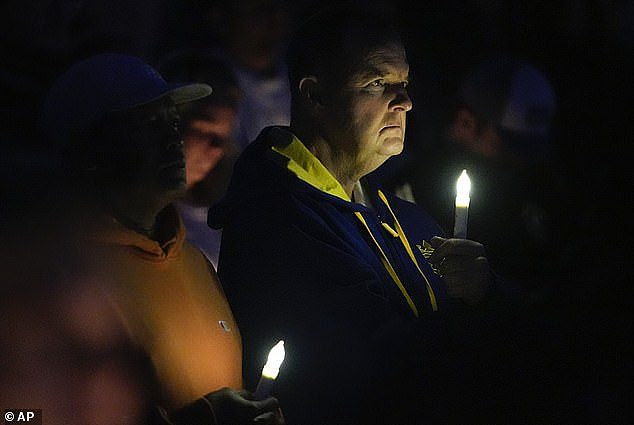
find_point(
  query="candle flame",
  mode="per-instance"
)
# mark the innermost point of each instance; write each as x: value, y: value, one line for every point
x: 463, y: 188
x: 274, y: 361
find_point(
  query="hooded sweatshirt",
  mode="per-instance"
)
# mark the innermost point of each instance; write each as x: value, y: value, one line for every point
x: 174, y: 307
x: 344, y: 284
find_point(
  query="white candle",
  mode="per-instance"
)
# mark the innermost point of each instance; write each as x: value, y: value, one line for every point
x: 270, y: 370
x: 463, y: 187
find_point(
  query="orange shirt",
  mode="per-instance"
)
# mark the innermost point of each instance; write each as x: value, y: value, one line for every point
x: 175, y: 308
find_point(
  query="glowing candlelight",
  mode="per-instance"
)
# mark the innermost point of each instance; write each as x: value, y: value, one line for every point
x: 463, y: 187
x: 270, y: 370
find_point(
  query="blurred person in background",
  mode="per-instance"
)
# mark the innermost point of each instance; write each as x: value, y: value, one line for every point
x: 210, y: 151
x: 114, y: 119
x: 253, y: 35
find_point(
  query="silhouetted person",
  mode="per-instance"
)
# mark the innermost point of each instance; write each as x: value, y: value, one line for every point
x: 253, y: 36
x: 117, y: 123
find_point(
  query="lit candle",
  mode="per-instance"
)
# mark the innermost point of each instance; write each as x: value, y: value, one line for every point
x: 463, y: 187
x: 270, y: 371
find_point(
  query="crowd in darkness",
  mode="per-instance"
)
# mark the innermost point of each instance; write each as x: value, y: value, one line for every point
x: 568, y: 277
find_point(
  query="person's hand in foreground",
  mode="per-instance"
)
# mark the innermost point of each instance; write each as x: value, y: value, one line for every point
x: 464, y: 267
x: 239, y: 407
x: 230, y: 407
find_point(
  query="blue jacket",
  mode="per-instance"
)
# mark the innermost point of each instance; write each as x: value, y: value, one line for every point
x: 343, y: 284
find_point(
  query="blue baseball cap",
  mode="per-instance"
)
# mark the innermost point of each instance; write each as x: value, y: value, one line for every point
x: 518, y: 100
x: 512, y: 94
x: 104, y: 83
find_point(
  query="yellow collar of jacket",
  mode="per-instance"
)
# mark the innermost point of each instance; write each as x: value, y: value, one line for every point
x: 304, y: 164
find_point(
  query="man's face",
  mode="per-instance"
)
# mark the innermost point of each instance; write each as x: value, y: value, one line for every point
x: 207, y: 139
x: 145, y: 154
x: 365, y: 116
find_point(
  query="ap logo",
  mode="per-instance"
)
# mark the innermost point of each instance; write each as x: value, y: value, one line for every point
x: 29, y: 416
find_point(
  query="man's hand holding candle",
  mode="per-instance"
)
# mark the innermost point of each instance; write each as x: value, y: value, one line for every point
x: 227, y: 407
x: 463, y: 266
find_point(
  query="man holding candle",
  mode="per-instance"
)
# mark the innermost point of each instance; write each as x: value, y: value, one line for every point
x: 308, y: 256
x: 116, y: 123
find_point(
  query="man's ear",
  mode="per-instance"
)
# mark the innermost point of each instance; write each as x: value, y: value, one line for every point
x: 310, y: 91
x: 464, y: 127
